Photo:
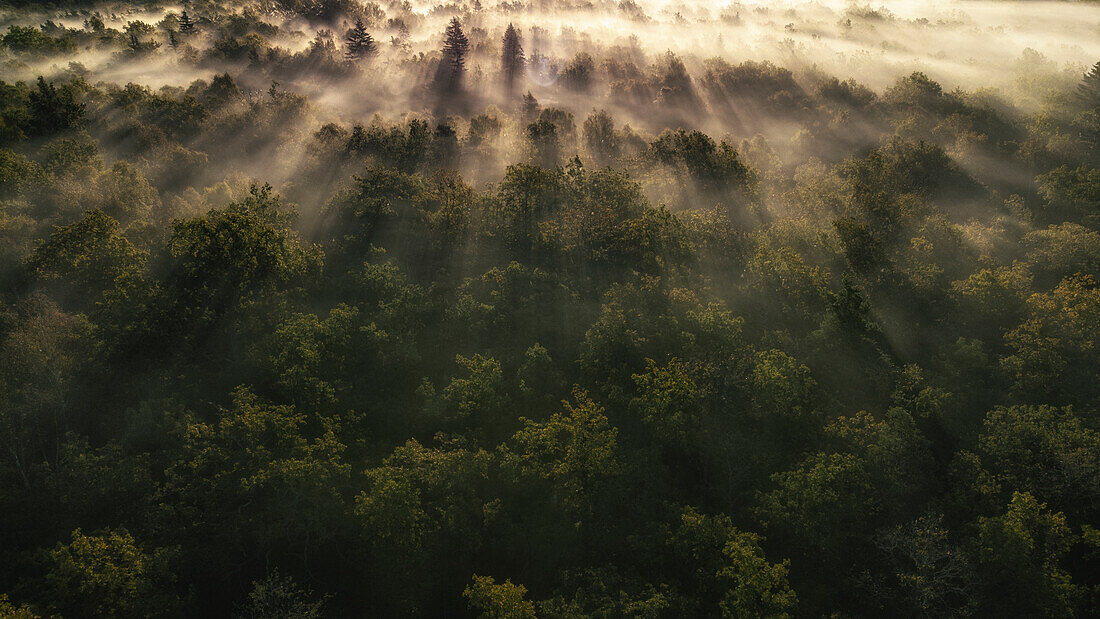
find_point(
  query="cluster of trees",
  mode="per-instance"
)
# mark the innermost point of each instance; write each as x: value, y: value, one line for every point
x: 510, y: 363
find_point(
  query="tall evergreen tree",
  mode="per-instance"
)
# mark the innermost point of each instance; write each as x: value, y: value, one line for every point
x: 358, y: 43
x: 187, y: 25
x: 1088, y: 91
x: 452, y: 67
x: 455, y: 45
x: 512, y: 59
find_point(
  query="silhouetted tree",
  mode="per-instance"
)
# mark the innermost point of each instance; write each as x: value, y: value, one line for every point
x: 578, y: 75
x: 1088, y: 91
x: 530, y: 108
x: 137, y: 47
x: 600, y: 138
x: 452, y: 66
x: 358, y: 43
x: 187, y: 25
x: 444, y: 147
x: 512, y: 60
x: 52, y: 110
x: 545, y: 143
x: 455, y: 45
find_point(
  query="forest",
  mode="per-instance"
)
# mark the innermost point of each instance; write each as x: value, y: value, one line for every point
x: 549, y: 308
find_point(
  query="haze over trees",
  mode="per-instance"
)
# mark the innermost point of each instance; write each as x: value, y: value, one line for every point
x: 451, y: 74
x: 358, y: 43
x: 512, y: 60
x: 338, y: 309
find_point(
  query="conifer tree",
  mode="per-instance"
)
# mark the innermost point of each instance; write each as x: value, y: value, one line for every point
x: 455, y: 46
x: 1088, y: 91
x: 187, y: 25
x: 512, y: 60
x: 452, y: 66
x: 358, y: 43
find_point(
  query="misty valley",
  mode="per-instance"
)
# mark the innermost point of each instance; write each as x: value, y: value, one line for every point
x: 549, y: 308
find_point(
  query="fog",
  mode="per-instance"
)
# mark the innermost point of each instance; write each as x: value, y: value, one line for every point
x: 683, y: 309
x: 967, y: 44
x: 738, y: 72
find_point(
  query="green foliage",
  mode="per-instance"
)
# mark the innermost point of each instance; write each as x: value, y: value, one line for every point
x: 53, y: 110
x: 1018, y: 555
x: 714, y: 168
x: 10, y: 610
x: 109, y: 575
x: 604, y: 592
x: 893, y: 451
x: 478, y: 394
x: 818, y: 504
x: 71, y: 157
x: 1059, y: 252
x: 1053, y: 348
x: 878, y: 182
x: 503, y: 601
x: 263, y: 477
x: 18, y: 174
x: 862, y: 322
x: 573, y: 449
x: 233, y: 254
x: 277, y: 597
x: 425, y: 502
x: 1044, y: 451
x: 668, y: 402
x: 30, y: 40
x: 1072, y: 195
x: 40, y: 356
x: 91, y: 255
x: 731, y: 567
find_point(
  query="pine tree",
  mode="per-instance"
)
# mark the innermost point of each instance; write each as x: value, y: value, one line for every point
x: 358, y: 42
x: 187, y: 25
x: 453, y: 64
x: 1088, y: 91
x: 512, y: 60
x: 455, y: 46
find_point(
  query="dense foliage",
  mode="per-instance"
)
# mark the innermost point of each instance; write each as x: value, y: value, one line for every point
x: 515, y: 363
